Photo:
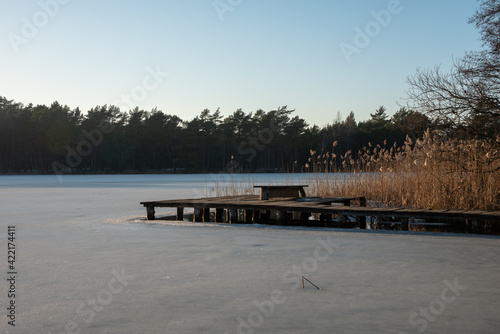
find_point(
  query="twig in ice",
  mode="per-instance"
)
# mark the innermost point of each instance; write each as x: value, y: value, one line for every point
x: 303, y: 278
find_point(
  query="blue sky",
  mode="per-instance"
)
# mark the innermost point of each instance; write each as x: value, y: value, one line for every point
x: 183, y: 56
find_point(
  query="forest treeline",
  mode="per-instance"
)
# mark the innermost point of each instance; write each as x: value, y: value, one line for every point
x: 462, y: 106
x: 57, y: 139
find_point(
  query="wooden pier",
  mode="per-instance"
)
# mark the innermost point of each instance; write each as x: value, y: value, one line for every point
x: 274, y: 205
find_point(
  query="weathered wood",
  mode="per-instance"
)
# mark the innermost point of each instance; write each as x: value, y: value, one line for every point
x: 150, y: 211
x: 362, y: 222
x: 248, y: 216
x: 206, y: 215
x: 475, y: 226
x: 219, y: 214
x: 198, y: 215
x: 362, y: 219
x: 268, y: 192
x: 265, y: 216
x: 321, y: 206
x: 304, y: 216
x: 342, y: 220
x: 256, y: 217
x: 180, y: 213
x: 264, y: 194
x: 281, y: 217
x: 472, y: 226
x: 405, y: 226
x: 233, y: 216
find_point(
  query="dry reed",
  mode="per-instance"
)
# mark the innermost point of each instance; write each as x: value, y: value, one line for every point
x: 230, y: 185
x: 431, y: 172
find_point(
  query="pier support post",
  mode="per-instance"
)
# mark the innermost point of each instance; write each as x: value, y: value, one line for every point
x: 206, y: 215
x: 362, y: 219
x: 475, y: 226
x: 248, y: 216
x: 264, y: 217
x: 362, y: 222
x: 180, y: 213
x: 219, y: 213
x: 256, y: 217
x: 472, y: 226
x: 281, y: 217
x: 233, y: 216
x: 342, y: 220
x: 304, y: 216
x: 405, y: 224
x: 198, y: 215
x: 150, y: 211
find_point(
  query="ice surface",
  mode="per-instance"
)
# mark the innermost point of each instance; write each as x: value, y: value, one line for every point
x: 89, y: 262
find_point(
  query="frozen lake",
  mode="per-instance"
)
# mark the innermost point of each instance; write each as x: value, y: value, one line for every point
x: 87, y: 261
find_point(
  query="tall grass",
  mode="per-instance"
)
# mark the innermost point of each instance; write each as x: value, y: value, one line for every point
x: 230, y: 185
x: 430, y: 173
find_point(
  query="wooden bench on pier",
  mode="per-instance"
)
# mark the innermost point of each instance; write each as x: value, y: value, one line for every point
x: 267, y: 192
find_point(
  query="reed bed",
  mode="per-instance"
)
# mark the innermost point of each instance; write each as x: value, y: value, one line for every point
x: 230, y: 185
x: 430, y: 173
